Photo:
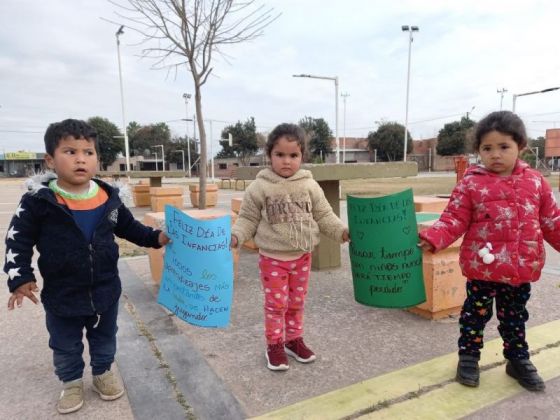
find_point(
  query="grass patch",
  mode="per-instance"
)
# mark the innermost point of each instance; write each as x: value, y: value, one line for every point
x: 424, y: 185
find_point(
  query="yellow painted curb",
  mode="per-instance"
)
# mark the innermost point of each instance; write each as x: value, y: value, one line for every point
x: 383, y: 389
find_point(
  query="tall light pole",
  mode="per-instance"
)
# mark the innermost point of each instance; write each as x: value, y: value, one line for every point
x: 501, y: 92
x: 344, y: 96
x: 126, y: 149
x: 187, y: 96
x: 162, y: 155
x: 410, y: 30
x: 335, y: 78
x: 516, y: 95
x: 183, y: 154
x: 155, y: 154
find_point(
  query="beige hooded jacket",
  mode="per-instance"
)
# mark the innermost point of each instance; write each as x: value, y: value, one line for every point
x: 285, y: 215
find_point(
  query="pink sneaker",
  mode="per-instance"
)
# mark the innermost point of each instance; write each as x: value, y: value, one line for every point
x: 297, y: 349
x: 276, y: 357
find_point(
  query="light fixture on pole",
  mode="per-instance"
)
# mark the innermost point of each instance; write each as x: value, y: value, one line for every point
x: 335, y: 78
x: 410, y: 30
x: 162, y: 155
x: 470, y: 112
x: 126, y: 149
x: 344, y: 96
x: 183, y: 154
x: 155, y: 154
x: 516, y: 95
x: 187, y: 96
x: 501, y: 92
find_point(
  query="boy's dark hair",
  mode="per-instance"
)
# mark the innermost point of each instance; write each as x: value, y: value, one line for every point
x: 292, y: 132
x: 505, y: 122
x: 70, y: 127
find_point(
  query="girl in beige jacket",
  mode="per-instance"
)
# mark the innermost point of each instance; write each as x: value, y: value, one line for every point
x: 284, y: 210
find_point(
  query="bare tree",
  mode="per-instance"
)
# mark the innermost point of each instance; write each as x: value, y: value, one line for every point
x: 181, y: 32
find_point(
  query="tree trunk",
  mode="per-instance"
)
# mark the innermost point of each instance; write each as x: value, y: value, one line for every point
x: 203, y: 154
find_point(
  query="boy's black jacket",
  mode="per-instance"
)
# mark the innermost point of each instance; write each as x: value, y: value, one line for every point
x: 79, y: 278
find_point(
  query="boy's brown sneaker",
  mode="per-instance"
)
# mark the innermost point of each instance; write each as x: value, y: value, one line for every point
x: 526, y: 374
x: 297, y: 349
x: 276, y: 357
x: 71, y: 398
x: 107, y: 386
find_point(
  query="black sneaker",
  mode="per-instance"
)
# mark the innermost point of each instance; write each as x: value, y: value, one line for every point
x: 468, y: 372
x: 525, y: 373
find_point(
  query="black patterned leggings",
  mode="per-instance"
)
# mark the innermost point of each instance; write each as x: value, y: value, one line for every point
x: 510, y: 310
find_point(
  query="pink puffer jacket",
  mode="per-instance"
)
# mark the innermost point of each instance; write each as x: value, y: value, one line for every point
x: 514, y: 214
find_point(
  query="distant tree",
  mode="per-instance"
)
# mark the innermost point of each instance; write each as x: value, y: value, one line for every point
x: 131, y: 130
x: 173, y: 149
x: 453, y: 137
x: 388, y: 140
x: 244, y: 144
x: 530, y: 154
x: 109, y: 139
x: 319, y: 137
x: 143, y: 138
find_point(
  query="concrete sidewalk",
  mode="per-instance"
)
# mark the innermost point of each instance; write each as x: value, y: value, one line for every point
x: 173, y: 370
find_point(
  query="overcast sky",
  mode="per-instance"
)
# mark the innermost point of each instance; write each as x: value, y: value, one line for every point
x: 58, y: 59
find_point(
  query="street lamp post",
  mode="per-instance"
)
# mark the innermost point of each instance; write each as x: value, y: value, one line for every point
x: 501, y: 92
x: 162, y: 155
x: 155, y: 154
x: 126, y: 149
x: 516, y: 95
x: 410, y: 30
x: 187, y: 96
x: 344, y: 96
x: 183, y: 154
x: 335, y: 78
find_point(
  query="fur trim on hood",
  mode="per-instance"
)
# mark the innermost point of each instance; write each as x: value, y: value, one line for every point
x: 38, y: 180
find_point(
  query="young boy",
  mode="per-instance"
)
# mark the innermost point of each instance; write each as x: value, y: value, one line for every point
x: 71, y: 219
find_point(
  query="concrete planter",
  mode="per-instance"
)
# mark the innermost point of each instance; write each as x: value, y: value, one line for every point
x: 443, y: 280
x: 211, y: 195
x: 141, y: 195
x: 160, y: 196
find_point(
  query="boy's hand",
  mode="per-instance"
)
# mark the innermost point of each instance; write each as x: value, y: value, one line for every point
x: 233, y: 242
x: 25, y: 290
x: 163, y: 239
x: 425, y: 245
x: 345, y: 236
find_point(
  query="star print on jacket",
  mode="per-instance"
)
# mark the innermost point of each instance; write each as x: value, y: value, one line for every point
x: 515, y: 214
x: 19, y: 210
x: 11, y: 233
x: 11, y: 256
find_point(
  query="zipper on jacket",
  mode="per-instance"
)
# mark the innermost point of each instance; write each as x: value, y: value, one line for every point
x: 91, y: 251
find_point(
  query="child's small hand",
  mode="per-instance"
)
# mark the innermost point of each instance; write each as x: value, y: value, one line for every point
x: 425, y: 245
x: 163, y: 239
x: 24, y: 291
x: 345, y: 236
x: 233, y: 242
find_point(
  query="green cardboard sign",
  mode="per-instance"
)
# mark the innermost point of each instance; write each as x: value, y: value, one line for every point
x: 386, y: 262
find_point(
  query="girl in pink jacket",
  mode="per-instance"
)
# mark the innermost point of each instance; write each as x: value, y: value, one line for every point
x: 505, y: 209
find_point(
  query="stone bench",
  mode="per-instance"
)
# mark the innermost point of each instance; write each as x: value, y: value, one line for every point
x: 443, y: 281
x: 327, y: 254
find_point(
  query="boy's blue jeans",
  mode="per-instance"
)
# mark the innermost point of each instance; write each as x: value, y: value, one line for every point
x: 66, y: 341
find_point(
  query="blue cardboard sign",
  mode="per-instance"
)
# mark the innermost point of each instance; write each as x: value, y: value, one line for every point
x: 197, y: 281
